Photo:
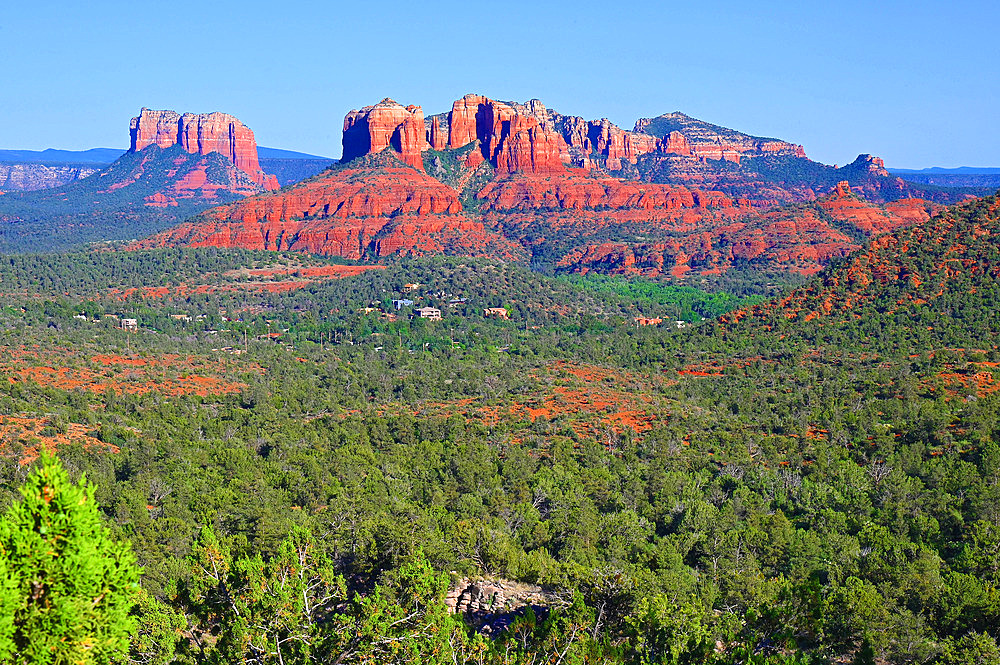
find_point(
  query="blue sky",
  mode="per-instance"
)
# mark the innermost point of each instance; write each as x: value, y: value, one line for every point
x: 917, y: 83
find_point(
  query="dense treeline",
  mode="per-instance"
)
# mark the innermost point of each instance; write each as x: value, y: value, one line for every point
x: 816, y: 491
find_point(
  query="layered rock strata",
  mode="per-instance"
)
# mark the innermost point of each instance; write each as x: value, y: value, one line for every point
x: 201, y: 134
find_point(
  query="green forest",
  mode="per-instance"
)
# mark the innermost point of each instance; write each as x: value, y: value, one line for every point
x: 275, y: 467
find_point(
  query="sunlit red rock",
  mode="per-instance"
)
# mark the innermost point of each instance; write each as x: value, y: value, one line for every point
x: 353, y: 212
x: 384, y: 125
x: 201, y: 134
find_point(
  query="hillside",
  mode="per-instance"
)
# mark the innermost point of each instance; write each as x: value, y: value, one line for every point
x: 812, y: 492
x: 176, y: 166
x: 930, y: 285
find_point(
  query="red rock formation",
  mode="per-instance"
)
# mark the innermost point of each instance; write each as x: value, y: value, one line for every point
x: 702, y: 241
x: 386, y: 124
x: 463, y: 121
x: 616, y: 144
x: 712, y: 142
x: 576, y: 191
x: 874, y: 164
x: 202, y: 134
x: 354, y: 213
x: 437, y: 133
x: 675, y: 143
x: 528, y: 148
x: 509, y: 139
x: 378, y: 206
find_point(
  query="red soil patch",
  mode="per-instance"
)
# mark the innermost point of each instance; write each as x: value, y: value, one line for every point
x: 234, y: 281
x: 168, y: 374
x: 33, y: 435
x: 596, y: 401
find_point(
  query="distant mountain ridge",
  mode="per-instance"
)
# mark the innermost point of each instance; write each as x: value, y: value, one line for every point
x: 56, y: 156
x: 962, y: 176
x: 965, y: 170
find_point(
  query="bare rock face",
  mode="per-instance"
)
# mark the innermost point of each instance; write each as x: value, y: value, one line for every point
x: 675, y: 143
x: 490, y: 604
x: 384, y: 125
x: 437, y: 132
x: 707, y: 141
x: 201, y: 134
x: 511, y: 137
x: 501, y: 182
x: 874, y: 165
x: 32, y: 176
x: 366, y: 211
x: 616, y: 144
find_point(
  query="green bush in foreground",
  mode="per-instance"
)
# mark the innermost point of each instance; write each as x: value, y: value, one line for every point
x: 66, y: 588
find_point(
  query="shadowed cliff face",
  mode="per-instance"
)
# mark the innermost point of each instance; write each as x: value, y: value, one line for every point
x: 519, y: 180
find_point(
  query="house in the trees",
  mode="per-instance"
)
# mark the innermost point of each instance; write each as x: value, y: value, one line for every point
x: 497, y: 313
x: 432, y: 313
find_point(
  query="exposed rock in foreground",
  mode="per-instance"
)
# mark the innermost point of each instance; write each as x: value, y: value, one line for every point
x: 490, y: 604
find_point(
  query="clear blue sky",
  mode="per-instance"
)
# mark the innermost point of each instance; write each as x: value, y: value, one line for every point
x: 917, y: 83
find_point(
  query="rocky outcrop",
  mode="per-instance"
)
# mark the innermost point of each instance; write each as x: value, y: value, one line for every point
x: 511, y: 137
x: 578, y: 191
x: 498, y: 184
x: 675, y: 143
x: 707, y: 141
x: 615, y: 144
x: 490, y: 605
x: 32, y: 176
x: 794, y: 239
x: 386, y: 124
x: 201, y: 134
x: 375, y: 209
x: 873, y: 165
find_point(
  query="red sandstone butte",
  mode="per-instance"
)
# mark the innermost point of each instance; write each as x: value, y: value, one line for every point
x: 202, y: 133
x: 384, y: 125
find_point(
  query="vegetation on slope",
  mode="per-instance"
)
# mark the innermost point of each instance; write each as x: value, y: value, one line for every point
x: 768, y: 489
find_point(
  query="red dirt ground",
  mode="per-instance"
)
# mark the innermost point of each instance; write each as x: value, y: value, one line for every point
x: 167, y: 374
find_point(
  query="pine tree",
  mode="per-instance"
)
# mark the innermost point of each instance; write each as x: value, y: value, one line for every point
x: 66, y: 588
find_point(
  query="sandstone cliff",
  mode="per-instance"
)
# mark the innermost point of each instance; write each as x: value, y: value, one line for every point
x: 372, y: 207
x: 515, y: 180
x: 511, y: 139
x: 386, y: 124
x: 710, y: 141
x: 201, y: 134
x: 797, y: 238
